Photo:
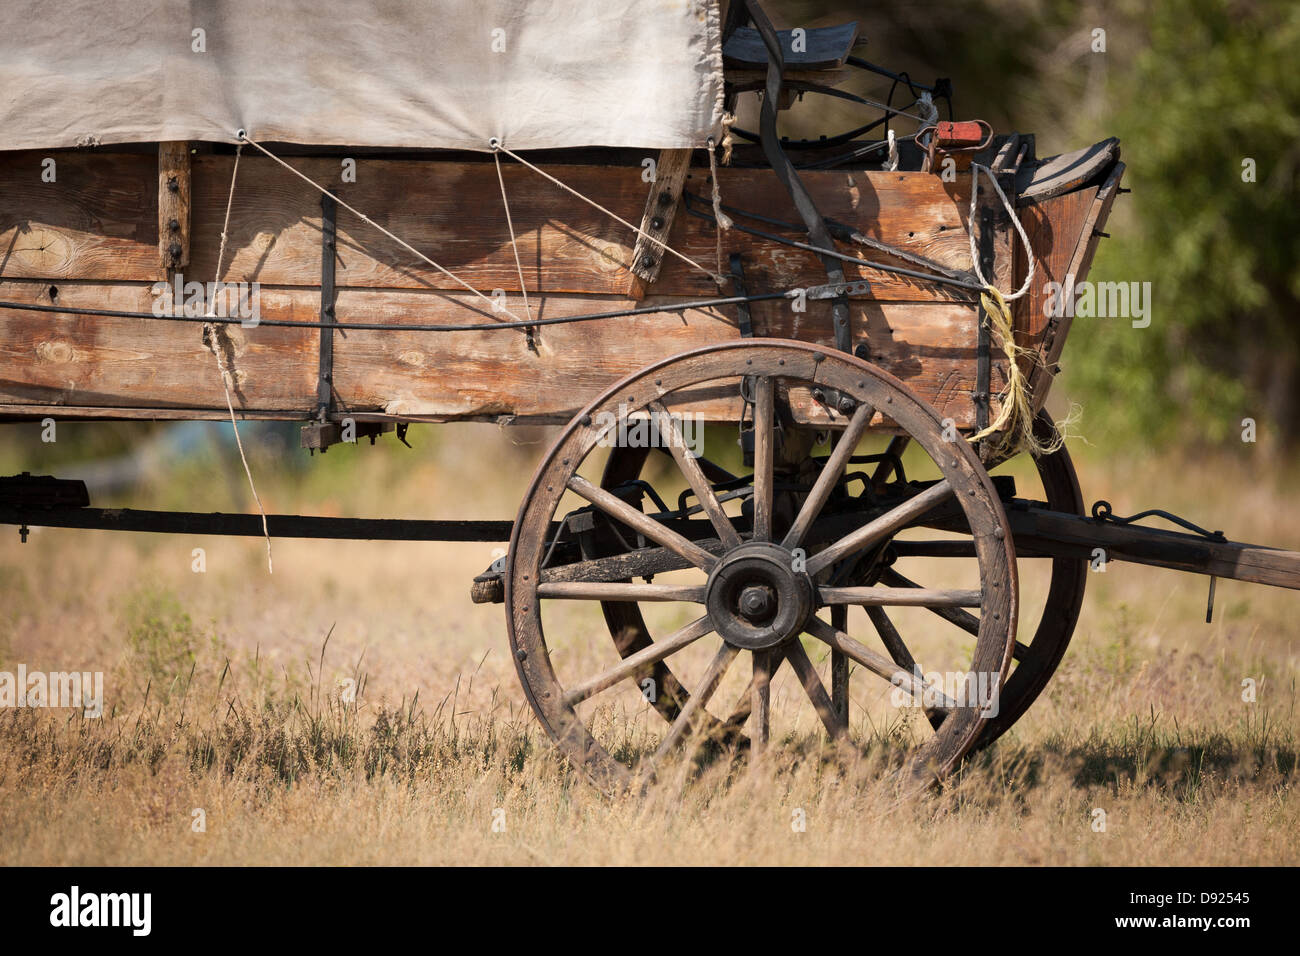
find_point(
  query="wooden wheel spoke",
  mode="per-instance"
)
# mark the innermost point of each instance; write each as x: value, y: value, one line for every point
x: 690, y: 469
x: 764, y: 455
x: 634, y: 663
x: 620, y: 510
x: 699, y: 699
x: 876, y: 663
x: 893, y: 642
x: 840, y: 669
x: 812, y: 686
x: 880, y: 528
x: 829, y: 477
x: 952, y: 613
x: 885, y: 469
x: 905, y: 597
x: 760, y: 697
x: 619, y: 591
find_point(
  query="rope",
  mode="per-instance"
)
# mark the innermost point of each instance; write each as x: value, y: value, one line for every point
x: 530, y: 332
x: 366, y: 219
x: 210, y: 333
x: 1015, y: 419
x: 496, y: 144
x: 721, y: 220
x: 976, y: 169
x: 728, y: 137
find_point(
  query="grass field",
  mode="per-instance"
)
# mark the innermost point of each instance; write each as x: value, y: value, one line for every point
x: 226, y: 701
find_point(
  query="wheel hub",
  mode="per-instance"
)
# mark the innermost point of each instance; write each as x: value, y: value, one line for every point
x: 756, y: 599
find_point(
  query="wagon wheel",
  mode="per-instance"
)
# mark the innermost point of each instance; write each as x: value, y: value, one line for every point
x: 1036, y: 659
x: 744, y: 586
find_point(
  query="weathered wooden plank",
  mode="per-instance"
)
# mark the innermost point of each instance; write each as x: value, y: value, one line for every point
x: 657, y: 221
x: 1074, y: 536
x: 1054, y: 227
x: 58, y: 359
x: 97, y: 220
x: 1095, y: 223
x: 1051, y: 342
x: 452, y: 212
x: 173, y: 206
x: 53, y: 361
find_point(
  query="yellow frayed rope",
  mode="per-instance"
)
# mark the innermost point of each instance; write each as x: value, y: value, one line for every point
x: 1014, y: 425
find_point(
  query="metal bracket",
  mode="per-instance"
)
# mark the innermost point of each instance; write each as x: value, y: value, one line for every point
x: 744, y: 321
x: 1102, y: 511
x: 983, y: 348
x: 328, y: 257
x: 321, y: 433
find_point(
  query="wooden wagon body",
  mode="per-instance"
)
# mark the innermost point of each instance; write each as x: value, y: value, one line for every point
x: 98, y: 238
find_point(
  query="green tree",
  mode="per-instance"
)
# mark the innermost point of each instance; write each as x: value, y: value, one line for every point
x: 1210, y: 117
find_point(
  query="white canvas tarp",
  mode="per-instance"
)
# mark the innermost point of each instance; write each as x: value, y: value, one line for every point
x: 398, y: 73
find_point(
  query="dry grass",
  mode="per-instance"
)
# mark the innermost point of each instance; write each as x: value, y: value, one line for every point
x: 223, y: 694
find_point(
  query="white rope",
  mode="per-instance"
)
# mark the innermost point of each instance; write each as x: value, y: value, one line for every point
x: 496, y: 144
x: 892, y: 163
x: 366, y: 219
x: 721, y: 220
x: 210, y: 330
x: 519, y: 267
x: 976, y: 169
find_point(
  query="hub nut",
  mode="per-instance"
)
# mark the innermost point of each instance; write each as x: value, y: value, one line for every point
x: 756, y: 603
x: 755, y: 599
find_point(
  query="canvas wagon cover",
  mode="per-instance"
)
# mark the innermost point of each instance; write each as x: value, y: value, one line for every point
x: 398, y: 73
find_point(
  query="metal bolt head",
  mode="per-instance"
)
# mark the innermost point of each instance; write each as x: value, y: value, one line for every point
x: 647, y: 262
x: 847, y: 405
x: 756, y: 602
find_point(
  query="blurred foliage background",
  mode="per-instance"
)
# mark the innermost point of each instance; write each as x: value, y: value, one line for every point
x: 1194, y: 89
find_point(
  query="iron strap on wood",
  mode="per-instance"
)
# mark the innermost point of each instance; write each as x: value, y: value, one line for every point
x: 983, y: 356
x: 328, y: 258
x: 743, y: 320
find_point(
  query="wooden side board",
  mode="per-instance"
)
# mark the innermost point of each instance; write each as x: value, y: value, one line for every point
x: 92, y: 240
x: 1067, y: 230
x: 99, y: 219
x: 59, y: 361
